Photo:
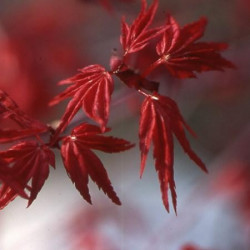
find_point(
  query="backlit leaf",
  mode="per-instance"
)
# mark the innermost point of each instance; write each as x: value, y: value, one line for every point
x: 29, y: 163
x: 183, y: 56
x: 160, y: 120
x: 135, y: 37
x: 91, y: 89
x: 81, y: 163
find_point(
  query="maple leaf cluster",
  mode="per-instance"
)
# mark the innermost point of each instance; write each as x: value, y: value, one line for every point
x: 25, y: 165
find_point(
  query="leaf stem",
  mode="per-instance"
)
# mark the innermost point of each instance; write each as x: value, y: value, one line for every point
x: 151, y: 67
x: 148, y: 95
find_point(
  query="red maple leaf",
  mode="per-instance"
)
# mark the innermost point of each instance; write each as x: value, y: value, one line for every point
x: 10, y: 110
x: 81, y: 163
x: 160, y: 119
x: 137, y: 36
x: 10, y: 135
x: 27, y: 162
x: 7, y: 179
x: 91, y: 90
x: 27, y: 127
x: 182, y: 55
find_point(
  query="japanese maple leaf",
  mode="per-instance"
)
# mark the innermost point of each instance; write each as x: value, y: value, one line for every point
x: 10, y: 110
x: 10, y: 135
x: 81, y: 163
x: 183, y: 56
x: 29, y: 164
x: 160, y: 120
x: 6, y: 178
x: 91, y: 89
x: 135, y: 37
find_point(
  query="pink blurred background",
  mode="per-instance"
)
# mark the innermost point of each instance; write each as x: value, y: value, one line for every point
x: 42, y: 42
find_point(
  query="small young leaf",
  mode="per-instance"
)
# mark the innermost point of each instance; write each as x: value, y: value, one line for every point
x: 137, y: 36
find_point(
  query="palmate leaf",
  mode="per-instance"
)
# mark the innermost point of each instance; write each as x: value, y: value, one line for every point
x: 183, y: 56
x: 81, y: 163
x: 7, y: 180
x: 28, y: 162
x: 160, y: 120
x: 135, y: 37
x: 91, y: 89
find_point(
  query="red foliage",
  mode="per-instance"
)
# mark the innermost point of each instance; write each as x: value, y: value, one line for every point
x: 182, y: 55
x: 11, y: 135
x: 11, y: 111
x: 6, y: 177
x: 160, y: 119
x: 26, y: 161
x: 138, y: 35
x: 81, y: 163
x: 27, y: 126
x: 91, y: 90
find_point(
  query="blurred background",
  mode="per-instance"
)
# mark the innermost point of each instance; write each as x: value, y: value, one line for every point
x: 42, y: 42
